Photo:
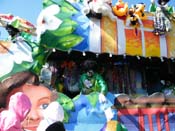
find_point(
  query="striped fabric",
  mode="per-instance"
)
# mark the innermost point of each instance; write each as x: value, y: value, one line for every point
x: 119, y: 38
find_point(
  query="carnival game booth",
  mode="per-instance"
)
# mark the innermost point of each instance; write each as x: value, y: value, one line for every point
x: 127, y: 35
x: 134, y: 44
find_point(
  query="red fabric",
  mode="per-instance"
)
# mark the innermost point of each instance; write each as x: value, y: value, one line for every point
x: 119, y: 6
x: 141, y: 112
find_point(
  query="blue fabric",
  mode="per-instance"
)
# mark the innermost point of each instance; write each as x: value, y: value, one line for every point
x: 171, y: 120
x: 86, y: 116
x: 130, y: 122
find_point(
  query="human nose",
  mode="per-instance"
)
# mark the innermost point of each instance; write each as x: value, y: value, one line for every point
x: 34, y: 114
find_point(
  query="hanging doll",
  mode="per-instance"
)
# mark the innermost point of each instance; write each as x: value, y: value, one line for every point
x: 167, y: 10
x: 120, y: 9
x: 139, y: 9
x: 135, y: 14
x: 19, y: 107
x: 163, y: 15
x: 161, y: 23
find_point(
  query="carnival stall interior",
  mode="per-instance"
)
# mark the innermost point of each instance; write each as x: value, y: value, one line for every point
x: 123, y: 74
x: 137, y: 84
x: 91, y: 65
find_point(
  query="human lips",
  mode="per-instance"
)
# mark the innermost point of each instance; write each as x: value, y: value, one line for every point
x: 30, y: 128
x: 29, y: 125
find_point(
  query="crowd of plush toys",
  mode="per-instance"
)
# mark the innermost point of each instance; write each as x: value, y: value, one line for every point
x: 162, y: 17
x: 162, y: 13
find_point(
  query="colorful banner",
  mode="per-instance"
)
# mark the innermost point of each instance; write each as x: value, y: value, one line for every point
x: 170, y: 39
x: 108, y: 36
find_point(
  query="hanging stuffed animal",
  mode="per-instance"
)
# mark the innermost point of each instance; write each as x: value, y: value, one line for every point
x: 98, y: 8
x: 167, y: 10
x: 120, y: 9
x: 163, y: 2
x: 163, y: 15
x: 136, y: 13
x: 161, y: 23
x: 139, y: 9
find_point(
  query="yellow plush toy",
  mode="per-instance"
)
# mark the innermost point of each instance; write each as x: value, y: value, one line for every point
x: 120, y: 9
x: 139, y: 9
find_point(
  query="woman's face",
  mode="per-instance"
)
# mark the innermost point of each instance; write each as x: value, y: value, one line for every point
x: 90, y: 73
x: 40, y: 97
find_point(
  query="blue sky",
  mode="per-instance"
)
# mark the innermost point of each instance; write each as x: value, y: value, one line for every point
x: 30, y: 9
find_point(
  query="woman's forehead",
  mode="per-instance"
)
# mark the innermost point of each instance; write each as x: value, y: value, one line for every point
x: 37, y: 94
x: 36, y: 90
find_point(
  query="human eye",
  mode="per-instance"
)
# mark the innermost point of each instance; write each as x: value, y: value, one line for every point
x: 44, y: 106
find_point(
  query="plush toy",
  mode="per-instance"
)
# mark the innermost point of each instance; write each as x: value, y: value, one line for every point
x: 139, y: 9
x: 120, y: 9
x: 136, y: 13
x: 163, y: 2
x: 134, y: 18
x: 161, y: 23
x: 98, y: 8
x: 167, y: 10
x: 163, y: 15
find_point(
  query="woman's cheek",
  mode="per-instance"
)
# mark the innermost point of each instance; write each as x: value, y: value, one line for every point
x: 40, y: 113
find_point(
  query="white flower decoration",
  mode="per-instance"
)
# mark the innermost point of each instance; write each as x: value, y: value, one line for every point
x: 47, y: 21
x: 11, y: 53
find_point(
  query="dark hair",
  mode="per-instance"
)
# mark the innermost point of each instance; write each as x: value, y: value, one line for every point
x: 56, y: 126
x: 89, y: 65
x: 15, y: 81
x: 12, y: 30
x: 163, y: 2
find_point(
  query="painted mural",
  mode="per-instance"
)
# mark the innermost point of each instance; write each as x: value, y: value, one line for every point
x: 129, y: 30
x: 98, y: 26
x: 113, y: 27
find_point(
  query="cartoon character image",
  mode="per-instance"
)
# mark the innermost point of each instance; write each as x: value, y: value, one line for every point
x: 161, y: 23
x: 139, y: 9
x: 120, y: 9
x: 163, y: 15
x: 134, y: 19
x: 136, y: 13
